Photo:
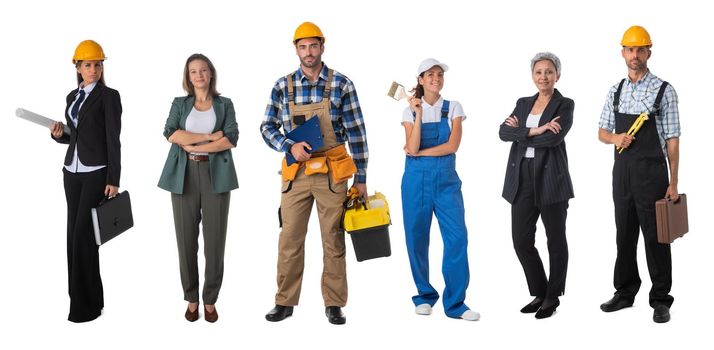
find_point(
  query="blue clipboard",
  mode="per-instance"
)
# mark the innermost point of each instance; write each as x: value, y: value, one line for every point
x: 308, y: 132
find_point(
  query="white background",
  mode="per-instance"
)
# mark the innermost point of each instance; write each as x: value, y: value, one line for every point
x: 488, y: 47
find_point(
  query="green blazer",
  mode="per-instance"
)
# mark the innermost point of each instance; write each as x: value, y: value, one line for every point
x: 223, y: 172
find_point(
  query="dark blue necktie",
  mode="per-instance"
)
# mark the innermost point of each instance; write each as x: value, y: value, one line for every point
x: 75, y: 108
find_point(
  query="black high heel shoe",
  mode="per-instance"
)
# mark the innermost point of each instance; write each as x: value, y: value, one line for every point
x: 547, y: 311
x: 533, y: 306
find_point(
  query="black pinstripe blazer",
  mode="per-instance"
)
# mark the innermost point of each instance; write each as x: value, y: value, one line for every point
x: 552, y: 179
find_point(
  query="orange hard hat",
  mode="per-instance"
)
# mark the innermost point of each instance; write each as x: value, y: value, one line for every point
x: 308, y: 30
x: 88, y: 50
x: 636, y: 36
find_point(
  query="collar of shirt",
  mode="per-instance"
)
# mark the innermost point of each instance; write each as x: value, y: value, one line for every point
x: 644, y: 81
x: 87, y: 89
x: 439, y: 102
x: 301, y: 77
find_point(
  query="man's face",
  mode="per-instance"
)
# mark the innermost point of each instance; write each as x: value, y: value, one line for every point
x: 636, y: 57
x: 310, y: 52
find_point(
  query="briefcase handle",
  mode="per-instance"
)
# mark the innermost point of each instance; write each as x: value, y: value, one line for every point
x: 107, y: 199
x: 678, y: 199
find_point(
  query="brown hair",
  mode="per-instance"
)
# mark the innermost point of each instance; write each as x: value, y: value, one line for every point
x: 79, y: 76
x: 188, y: 86
x: 418, y: 90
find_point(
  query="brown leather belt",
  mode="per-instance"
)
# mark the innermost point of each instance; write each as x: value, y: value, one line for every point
x: 198, y: 157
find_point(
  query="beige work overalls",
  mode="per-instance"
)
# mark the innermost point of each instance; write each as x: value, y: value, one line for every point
x: 296, y: 204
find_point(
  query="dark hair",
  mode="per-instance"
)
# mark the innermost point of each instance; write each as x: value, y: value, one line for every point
x: 79, y: 76
x: 188, y: 86
x: 418, y: 90
x: 321, y: 40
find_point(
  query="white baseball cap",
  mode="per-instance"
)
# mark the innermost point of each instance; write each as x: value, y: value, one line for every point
x: 428, y: 63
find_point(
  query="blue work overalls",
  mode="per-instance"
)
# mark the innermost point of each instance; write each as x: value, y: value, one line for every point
x: 430, y: 185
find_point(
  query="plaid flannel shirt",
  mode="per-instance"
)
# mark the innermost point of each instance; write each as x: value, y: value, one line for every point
x: 638, y: 97
x: 345, y: 112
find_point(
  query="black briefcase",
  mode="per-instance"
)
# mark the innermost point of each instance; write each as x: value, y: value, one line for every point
x: 112, y: 217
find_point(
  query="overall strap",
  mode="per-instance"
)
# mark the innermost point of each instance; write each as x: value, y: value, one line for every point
x: 658, y: 100
x: 291, y: 90
x: 328, y: 85
x: 616, y: 98
x: 445, y: 109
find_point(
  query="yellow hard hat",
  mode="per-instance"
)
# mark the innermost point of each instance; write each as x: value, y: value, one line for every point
x: 636, y: 36
x: 88, y: 50
x: 308, y: 30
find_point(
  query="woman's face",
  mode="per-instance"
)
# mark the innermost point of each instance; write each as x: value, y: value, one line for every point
x: 432, y: 80
x: 91, y: 71
x: 199, y: 74
x: 544, y: 75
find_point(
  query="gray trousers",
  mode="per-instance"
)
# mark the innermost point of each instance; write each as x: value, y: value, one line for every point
x: 198, y: 204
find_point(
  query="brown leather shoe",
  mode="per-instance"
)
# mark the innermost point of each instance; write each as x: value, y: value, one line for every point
x: 191, y: 316
x: 210, y: 316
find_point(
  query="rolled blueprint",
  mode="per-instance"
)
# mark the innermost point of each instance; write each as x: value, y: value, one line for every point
x: 38, y: 119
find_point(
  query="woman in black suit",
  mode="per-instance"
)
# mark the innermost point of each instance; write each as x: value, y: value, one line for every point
x: 538, y: 182
x: 91, y: 171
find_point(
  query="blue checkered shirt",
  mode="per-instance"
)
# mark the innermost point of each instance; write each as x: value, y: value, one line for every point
x: 345, y: 112
x: 638, y: 97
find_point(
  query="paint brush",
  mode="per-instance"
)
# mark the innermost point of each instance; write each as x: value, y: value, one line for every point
x: 397, y: 91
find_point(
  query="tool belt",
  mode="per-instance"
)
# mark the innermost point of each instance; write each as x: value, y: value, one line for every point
x: 335, y: 161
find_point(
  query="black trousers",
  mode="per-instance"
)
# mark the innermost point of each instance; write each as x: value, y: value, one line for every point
x: 524, y: 215
x: 83, y: 192
x: 637, y: 184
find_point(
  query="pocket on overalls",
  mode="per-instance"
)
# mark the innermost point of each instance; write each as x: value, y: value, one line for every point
x: 342, y: 168
x: 289, y: 172
x: 429, y: 137
x: 316, y: 165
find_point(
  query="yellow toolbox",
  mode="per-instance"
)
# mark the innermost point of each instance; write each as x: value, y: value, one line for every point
x: 368, y: 222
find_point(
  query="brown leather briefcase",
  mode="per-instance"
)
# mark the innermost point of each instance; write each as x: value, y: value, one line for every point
x: 672, y: 221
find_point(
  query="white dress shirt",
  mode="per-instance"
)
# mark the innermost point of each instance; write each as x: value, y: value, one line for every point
x: 76, y: 166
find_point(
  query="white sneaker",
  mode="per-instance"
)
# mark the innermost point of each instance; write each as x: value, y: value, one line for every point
x: 469, y: 315
x: 423, y: 309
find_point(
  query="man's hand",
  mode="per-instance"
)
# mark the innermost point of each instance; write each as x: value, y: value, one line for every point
x: 298, y: 151
x: 362, y: 188
x: 672, y: 193
x: 622, y: 140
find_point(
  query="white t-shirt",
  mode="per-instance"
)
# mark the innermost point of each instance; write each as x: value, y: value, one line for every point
x: 532, y: 122
x: 201, y: 122
x: 432, y: 114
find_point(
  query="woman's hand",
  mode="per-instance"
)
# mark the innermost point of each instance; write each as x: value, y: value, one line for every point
x: 552, y: 126
x: 111, y: 191
x: 57, y: 129
x: 512, y: 121
x: 188, y: 148
x: 415, y: 104
x: 215, y: 136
